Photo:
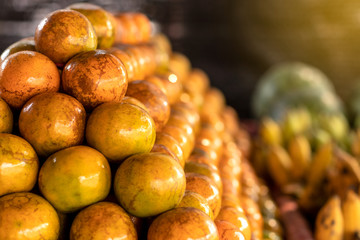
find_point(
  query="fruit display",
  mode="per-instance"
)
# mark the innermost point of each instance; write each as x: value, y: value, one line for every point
x: 312, y: 156
x: 107, y: 133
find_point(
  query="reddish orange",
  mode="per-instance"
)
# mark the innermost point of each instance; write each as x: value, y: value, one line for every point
x: 25, y: 74
x: 95, y: 77
x: 228, y: 231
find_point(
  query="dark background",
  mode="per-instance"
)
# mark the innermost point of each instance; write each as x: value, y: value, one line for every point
x: 233, y: 41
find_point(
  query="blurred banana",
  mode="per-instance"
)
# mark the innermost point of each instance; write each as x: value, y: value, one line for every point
x: 279, y: 165
x: 329, y: 223
x: 351, y: 214
x: 300, y: 153
x: 321, y: 162
x: 296, y: 121
x: 270, y: 132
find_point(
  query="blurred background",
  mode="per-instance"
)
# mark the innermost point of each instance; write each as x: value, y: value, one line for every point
x: 233, y: 41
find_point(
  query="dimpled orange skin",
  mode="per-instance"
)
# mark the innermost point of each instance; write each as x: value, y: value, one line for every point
x: 101, y: 22
x: 64, y: 33
x: 19, y: 164
x: 119, y: 130
x: 154, y: 100
x: 149, y: 184
x: 236, y: 217
x: 228, y: 231
x: 205, y: 169
x: 183, y: 224
x: 75, y: 177
x: 103, y: 220
x: 172, y: 144
x: 205, y: 187
x: 193, y: 199
x: 52, y: 121
x: 95, y: 77
x: 6, y: 117
x: 25, y: 74
x: 126, y: 60
x: 21, y: 45
x: 27, y: 216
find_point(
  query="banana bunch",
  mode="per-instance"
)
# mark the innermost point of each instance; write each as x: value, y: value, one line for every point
x: 339, y: 220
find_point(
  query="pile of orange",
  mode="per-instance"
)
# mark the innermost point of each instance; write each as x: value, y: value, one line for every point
x: 106, y: 133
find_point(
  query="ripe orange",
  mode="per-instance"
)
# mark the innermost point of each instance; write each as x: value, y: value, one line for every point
x: 103, y: 220
x: 101, y: 22
x: 95, y: 77
x: 19, y: 164
x: 119, y: 130
x: 193, y: 199
x: 75, y: 177
x: 64, y: 33
x: 21, y: 45
x: 52, y: 121
x: 228, y: 231
x: 149, y: 184
x: 25, y: 74
x: 6, y: 117
x: 183, y: 224
x: 26, y: 215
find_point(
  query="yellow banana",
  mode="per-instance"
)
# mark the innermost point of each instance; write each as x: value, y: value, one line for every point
x: 329, y: 223
x: 296, y: 121
x: 345, y: 174
x: 300, y: 153
x: 270, y: 132
x: 351, y: 214
x: 279, y: 165
x: 322, y: 160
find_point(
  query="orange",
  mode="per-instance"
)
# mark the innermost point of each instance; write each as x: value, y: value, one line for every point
x: 103, y: 220
x: 25, y: 74
x: 172, y: 145
x: 74, y: 178
x: 183, y: 224
x: 149, y: 184
x: 64, y: 33
x: 19, y: 164
x: 6, y: 117
x: 128, y: 62
x: 205, y: 187
x: 26, y: 215
x: 101, y: 22
x: 236, y: 217
x: 154, y: 100
x: 193, y: 199
x: 119, y: 130
x: 95, y: 77
x: 52, y: 121
x: 228, y: 231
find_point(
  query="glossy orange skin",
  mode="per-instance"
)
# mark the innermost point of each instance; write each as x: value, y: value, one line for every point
x: 253, y: 215
x: 170, y: 83
x: 236, y: 217
x: 52, y: 121
x: 183, y: 224
x: 172, y: 144
x: 197, y: 82
x: 95, y: 77
x: 6, y: 117
x: 211, y: 142
x: 205, y: 169
x: 149, y: 184
x: 101, y: 22
x: 27, y: 216
x: 103, y: 220
x: 132, y: 28
x: 188, y: 111
x: 128, y: 62
x: 25, y: 74
x: 138, y: 55
x: 19, y: 164
x: 205, y: 187
x: 154, y: 100
x: 193, y: 199
x: 162, y: 49
x: 181, y: 137
x: 180, y: 65
x: 214, y: 101
x: 143, y: 24
x: 21, y: 45
x: 64, y: 33
x: 228, y: 231
x: 134, y: 101
x: 74, y: 178
x: 119, y: 130
x: 200, y: 156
